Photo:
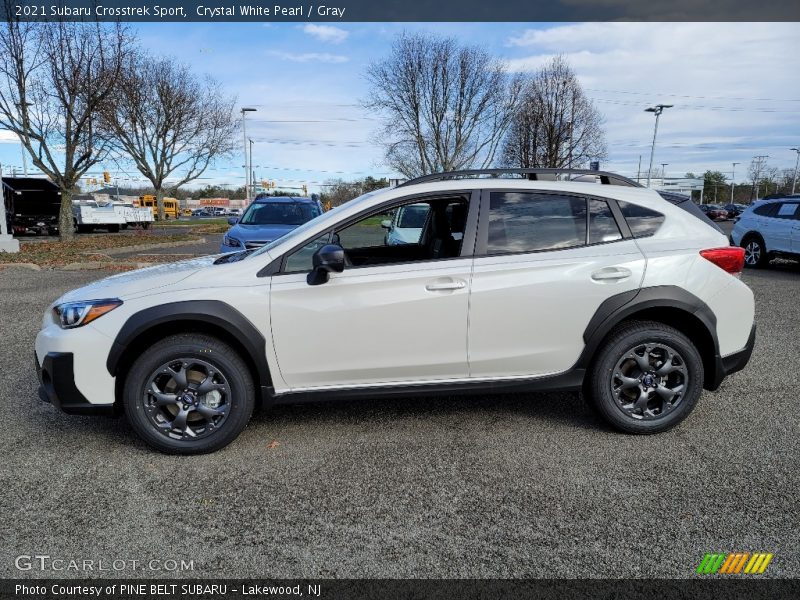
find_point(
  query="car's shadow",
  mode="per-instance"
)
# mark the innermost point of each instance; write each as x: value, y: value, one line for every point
x: 547, y: 410
x: 556, y: 408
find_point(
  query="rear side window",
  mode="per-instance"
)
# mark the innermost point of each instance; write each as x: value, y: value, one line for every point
x: 765, y: 210
x: 643, y: 222
x: 526, y: 222
x: 602, y: 225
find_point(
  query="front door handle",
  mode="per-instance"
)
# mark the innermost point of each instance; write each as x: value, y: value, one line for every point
x: 443, y: 286
x: 611, y: 274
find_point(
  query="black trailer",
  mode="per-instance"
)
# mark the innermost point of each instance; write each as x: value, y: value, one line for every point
x: 32, y: 205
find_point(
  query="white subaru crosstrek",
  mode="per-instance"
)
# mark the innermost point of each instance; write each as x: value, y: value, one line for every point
x: 592, y: 284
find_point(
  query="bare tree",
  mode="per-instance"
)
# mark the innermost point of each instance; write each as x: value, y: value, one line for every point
x: 555, y: 124
x: 54, y: 80
x: 169, y: 122
x: 444, y: 106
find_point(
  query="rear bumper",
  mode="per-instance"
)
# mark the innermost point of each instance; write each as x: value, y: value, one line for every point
x: 733, y: 362
x: 57, y: 386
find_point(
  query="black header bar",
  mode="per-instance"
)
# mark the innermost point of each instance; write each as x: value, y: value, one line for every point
x: 401, y: 10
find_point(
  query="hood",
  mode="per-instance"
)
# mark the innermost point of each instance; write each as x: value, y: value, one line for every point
x: 260, y: 233
x: 126, y: 285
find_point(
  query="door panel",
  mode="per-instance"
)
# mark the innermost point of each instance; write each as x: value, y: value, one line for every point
x: 781, y: 227
x: 528, y: 312
x: 370, y: 325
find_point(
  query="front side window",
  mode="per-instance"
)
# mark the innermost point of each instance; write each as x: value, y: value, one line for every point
x: 530, y: 222
x: 414, y: 231
x: 279, y: 213
x: 643, y: 222
x: 301, y: 260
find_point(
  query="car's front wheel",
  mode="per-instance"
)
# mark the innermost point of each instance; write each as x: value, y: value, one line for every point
x: 647, y: 378
x: 189, y: 394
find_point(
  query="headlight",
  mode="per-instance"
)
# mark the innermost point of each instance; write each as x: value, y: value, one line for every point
x: 75, y: 314
x: 231, y: 241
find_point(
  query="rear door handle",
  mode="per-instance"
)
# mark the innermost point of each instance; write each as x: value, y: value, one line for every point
x: 443, y: 286
x: 611, y: 274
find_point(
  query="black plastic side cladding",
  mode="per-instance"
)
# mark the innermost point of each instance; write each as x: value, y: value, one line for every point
x: 620, y: 306
x: 205, y: 311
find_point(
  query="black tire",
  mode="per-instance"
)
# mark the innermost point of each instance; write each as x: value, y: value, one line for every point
x: 145, y: 414
x: 113, y: 229
x: 618, y: 402
x: 755, y: 252
x: 145, y: 225
x: 85, y: 228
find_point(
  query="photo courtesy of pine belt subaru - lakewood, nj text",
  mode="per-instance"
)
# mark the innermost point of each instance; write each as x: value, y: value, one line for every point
x: 504, y: 280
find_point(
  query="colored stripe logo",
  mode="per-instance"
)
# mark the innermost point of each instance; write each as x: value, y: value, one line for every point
x: 734, y: 563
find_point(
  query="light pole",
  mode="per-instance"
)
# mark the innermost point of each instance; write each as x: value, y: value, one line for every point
x: 796, y: 164
x: 252, y: 170
x: 657, y: 109
x: 760, y: 162
x: 733, y: 180
x: 246, y: 110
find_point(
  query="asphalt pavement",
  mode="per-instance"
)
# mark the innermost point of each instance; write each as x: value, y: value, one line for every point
x: 524, y: 485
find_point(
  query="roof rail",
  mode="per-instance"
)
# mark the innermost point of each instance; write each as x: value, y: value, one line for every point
x: 531, y: 174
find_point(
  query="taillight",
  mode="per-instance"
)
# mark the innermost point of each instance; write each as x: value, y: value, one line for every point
x: 730, y: 258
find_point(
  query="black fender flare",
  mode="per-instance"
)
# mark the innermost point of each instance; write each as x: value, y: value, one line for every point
x: 617, y: 308
x: 213, y: 312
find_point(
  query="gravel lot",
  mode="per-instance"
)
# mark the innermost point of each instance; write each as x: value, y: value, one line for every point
x: 495, y: 486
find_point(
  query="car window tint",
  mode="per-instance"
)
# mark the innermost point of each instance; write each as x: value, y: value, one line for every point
x: 525, y: 222
x: 643, y: 221
x: 765, y: 210
x: 602, y: 226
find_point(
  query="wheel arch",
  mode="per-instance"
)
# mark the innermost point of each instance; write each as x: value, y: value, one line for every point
x: 209, y: 317
x: 669, y: 305
x: 752, y: 234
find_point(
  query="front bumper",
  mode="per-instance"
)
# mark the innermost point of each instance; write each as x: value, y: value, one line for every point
x: 57, y: 386
x: 733, y: 362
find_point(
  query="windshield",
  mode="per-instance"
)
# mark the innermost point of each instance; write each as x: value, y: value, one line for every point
x: 412, y: 217
x: 279, y: 213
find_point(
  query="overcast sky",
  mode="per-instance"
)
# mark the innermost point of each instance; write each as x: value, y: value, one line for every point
x: 735, y: 88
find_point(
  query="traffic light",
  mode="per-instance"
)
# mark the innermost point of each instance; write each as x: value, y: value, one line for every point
x: 106, y: 177
x: 305, y: 190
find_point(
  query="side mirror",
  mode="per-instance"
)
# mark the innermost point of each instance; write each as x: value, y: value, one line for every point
x: 326, y: 260
x: 232, y: 220
x: 386, y: 224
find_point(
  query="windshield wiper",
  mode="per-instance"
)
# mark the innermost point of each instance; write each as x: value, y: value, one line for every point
x: 234, y: 256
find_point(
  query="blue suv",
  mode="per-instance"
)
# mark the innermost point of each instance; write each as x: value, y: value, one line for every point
x: 266, y: 219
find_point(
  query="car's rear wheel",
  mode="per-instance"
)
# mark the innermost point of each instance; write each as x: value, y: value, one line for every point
x: 755, y: 253
x: 647, y: 378
x: 189, y: 394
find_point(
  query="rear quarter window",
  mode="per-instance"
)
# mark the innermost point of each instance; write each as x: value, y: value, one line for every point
x: 642, y: 221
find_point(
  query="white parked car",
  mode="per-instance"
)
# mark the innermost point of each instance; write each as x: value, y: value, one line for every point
x: 768, y: 229
x: 609, y: 289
